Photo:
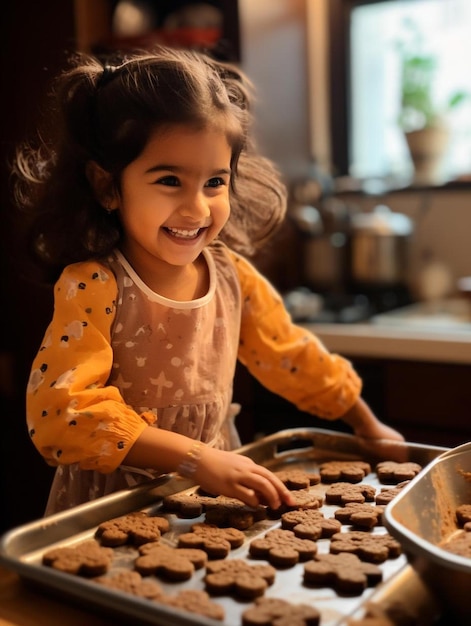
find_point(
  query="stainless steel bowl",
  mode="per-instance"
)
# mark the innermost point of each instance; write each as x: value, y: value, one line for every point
x: 422, y: 518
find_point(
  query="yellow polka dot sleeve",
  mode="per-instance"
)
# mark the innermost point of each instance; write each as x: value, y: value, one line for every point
x: 72, y: 415
x: 286, y: 358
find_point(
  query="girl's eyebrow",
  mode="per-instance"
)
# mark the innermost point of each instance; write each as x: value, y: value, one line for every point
x: 175, y: 168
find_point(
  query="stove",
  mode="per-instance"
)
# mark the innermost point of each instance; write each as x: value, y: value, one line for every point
x: 307, y: 306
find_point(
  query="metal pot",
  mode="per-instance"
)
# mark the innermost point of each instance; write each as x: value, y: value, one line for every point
x: 324, y: 249
x: 380, y: 246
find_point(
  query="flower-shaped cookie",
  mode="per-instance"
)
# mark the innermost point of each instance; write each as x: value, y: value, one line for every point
x: 238, y: 578
x: 85, y: 559
x: 195, y: 601
x: 391, y: 472
x: 278, y: 612
x: 298, y: 479
x: 346, y: 573
x: 310, y: 524
x: 368, y: 547
x: 135, y: 528
x: 173, y: 564
x: 344, y: 493
x: 302, y: 498
x: 282, y: 548
x: 387, y: 494
x: 216, y: 542
x: 361, y: 514
x: 191, y: 600
x: 131, y: 582
x: 344, y: 471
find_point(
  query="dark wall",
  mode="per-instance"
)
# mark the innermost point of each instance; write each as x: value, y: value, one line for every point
x: 35, y: 39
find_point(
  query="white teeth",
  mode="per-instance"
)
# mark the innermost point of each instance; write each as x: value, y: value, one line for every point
x: 180, y: 232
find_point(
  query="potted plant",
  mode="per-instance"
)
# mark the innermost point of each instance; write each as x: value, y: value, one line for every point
x: 423, y: 119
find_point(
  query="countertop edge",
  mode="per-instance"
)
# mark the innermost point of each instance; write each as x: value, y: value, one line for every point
x: 391, y: 342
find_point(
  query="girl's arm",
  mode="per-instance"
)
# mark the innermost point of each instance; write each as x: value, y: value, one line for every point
x: 73, y: 416
x: 216, y: 471
x: 292, y: 362
x: 365, y: 424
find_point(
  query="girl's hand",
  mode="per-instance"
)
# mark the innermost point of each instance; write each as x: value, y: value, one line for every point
x: 226, y: 473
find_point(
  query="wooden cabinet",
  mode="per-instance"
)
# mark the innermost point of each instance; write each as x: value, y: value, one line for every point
x: 429, y: 403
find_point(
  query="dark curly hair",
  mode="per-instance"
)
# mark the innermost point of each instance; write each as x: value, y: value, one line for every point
x: 106, y: 114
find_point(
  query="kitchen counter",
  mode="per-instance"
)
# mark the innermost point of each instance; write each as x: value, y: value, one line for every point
x: 22, y: 605
x: 396, y: 341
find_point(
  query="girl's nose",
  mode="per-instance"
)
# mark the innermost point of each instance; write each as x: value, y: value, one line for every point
x: 195, y: 206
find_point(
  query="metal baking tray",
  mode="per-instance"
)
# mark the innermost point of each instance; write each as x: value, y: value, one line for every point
x: 21, y: 548
x: 422, y: 518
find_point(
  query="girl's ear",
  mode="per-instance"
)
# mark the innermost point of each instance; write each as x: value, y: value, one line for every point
x: 102, y: 184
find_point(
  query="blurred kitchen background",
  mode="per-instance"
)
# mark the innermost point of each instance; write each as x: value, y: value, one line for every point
x: 376, y: 253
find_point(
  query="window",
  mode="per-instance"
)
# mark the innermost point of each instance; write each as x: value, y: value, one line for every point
x: 369, y: 41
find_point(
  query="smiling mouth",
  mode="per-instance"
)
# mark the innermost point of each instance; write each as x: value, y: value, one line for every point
x: 183, y: 233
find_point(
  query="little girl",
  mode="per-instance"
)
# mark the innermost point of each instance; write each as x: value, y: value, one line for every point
x: 148, y: 196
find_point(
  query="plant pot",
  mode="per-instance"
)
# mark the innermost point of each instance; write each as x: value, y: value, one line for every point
x: 427, y: 147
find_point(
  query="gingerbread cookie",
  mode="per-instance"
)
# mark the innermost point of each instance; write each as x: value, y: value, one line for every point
x: 368, y: 547
x: 310, y: 524
x: 294, y: 479
x: 85, y: 559
x: 345, y: 493
x: 344, y: 471
x: 230, y: 512
x: 221, y: 511
x: 238, y: 578
x: 184, y: 505
x: 132, y: 582
x: 391, y: 473
x: 387, y: 494
x: 195, y: 601
x: 277, y: 612
x: 302, y: 500
x: 174, y: 564
x: 282, y: 548
x: 361, y: 514
x: 135, y: 528
x: 216, y: 542
x: 346, y: 573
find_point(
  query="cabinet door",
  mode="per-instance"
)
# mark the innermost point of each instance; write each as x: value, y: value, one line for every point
x: 429, y: 400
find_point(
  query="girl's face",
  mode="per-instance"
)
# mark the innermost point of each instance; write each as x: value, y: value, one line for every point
x: 174, y: 197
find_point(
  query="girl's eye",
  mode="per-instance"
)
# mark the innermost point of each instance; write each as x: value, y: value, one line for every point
x: 215, y: 182
x: 170, y: 181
